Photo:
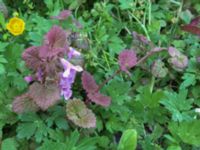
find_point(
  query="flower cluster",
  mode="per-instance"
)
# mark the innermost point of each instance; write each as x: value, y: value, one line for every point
x: 53, y: 74
x: 67, y: 77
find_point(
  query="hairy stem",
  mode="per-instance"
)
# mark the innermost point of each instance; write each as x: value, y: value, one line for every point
x: 139, y: 62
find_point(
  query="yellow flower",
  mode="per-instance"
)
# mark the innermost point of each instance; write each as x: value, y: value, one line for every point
x: 15, y: 26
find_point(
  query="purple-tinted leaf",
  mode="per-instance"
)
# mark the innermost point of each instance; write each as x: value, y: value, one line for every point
x: 173, y: 51
x: 44, y: 96
x: 56, y: 38
x: 24, y: 103
x: 89, y: 83
x: 31, y: 57
x: 178, y: 60
x: 48, y: 52
x: 127, y: 59
x: 195, y: 21
x: 179, y: 63
x: 192, y: 29
x: 140, y: 37
x: 99, y: 99
x: 63, y: 15
x: 79, y: 114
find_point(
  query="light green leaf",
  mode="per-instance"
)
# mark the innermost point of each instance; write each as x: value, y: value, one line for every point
x: 2, y: 69
x: 188, y: 131
x: 3, y: 46
x: 9, y: 144
x: 128, y: 140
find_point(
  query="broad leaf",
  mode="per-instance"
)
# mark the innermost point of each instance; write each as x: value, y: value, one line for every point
x: 79, y: 114
x: 24, y: 103
x: 44, y: 96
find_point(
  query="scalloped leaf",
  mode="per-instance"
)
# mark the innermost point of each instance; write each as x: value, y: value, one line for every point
x: 24, y: 103
x: 56, y: 37
x: 88, y: 82
x: 44, y: 96
x: 31, y: 57
x: 79, y: 114
x: 127, y: 59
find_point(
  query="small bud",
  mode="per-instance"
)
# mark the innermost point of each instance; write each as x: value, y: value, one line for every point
x: 158, y: 69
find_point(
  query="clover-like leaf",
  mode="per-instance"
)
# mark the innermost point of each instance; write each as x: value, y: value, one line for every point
x: 79, y: 114
x: 127, y: 59
x: 24, y: 103
x: 44, y: 96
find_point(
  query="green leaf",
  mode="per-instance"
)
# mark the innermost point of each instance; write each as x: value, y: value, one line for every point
x: 188, y: 131
x: 2, y: 69
x: 178, y: 105
x: 128, y: 140
x: 126, y: 4
x: 186, y: 16
x: 115, y: 45
x: 50, y: 145
x: 189, y: 80
x: 9, y: 144
x: 149, y: 99
x: 174, y: 147
x: 62, y: 123
x: 41, y: 131
x: 2, y: 21
x: 26, y: 130
x: 3, y: 46
x: 118, y: 90
x: 2, y: 59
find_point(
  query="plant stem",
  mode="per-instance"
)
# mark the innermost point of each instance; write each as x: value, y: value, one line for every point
x: 149, y: 12
x: 110, y: 78
x: 152, y: 84
x: 142, y: 26
x: 139, y: 62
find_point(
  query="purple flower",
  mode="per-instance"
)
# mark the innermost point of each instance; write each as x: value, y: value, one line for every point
x: 28, y: 79
x: 73, y: 53
x: 39, y: 74
x: 67, y: 78
x: 66, y: 84
x: 68, y: 66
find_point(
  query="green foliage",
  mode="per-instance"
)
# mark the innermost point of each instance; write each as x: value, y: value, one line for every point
x: 187, y: 131
x: 9, y: 144
x: 128, y: 140
x: 178, y: 105
x: 158, y: 102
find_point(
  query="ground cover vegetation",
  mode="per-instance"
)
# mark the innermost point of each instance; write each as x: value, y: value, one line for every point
x: 99, y: 75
